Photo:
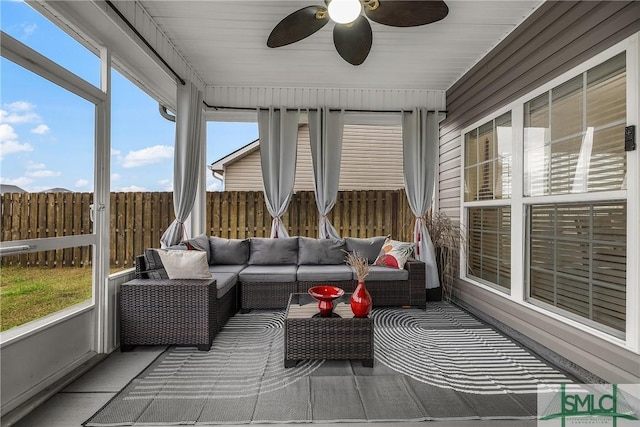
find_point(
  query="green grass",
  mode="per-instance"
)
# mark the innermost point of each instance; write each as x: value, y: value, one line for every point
x: 28, y: 294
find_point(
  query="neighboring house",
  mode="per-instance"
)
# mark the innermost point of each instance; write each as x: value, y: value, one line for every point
x: 371, y: 160
x: 7, y: 188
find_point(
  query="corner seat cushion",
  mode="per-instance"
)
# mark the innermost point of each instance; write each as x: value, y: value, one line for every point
x: 318, y: 273
x: 280, y: 251
x: 225, y: 282
x: 321, y: 251
x: 268, y: 273
x: 226, y: 268
x: 385, y: 273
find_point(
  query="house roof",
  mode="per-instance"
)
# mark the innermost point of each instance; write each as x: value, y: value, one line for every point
x: 219, y: 165
x: 8, y: 188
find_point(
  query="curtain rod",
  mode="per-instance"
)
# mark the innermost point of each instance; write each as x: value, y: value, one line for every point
x: 346, y: 110
x: 137, y: 33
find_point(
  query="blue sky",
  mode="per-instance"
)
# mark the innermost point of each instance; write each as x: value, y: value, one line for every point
x: 47, y: 133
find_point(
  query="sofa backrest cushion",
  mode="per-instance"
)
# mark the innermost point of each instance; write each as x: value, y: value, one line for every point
x: 321, y: 251
x: 280, y: 251
x: 368, y: 248
x: 228, y: 251
x: 200, y: 243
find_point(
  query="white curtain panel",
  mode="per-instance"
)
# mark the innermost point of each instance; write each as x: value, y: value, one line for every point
x: 186, y: 159
x: 325, y: 132
x: 278, y: 133
x: 420, y: 138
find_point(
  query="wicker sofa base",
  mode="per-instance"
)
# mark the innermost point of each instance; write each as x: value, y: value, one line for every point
x: 172, y: 312
x: 385, y: 293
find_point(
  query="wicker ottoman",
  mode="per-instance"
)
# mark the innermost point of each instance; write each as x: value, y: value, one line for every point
x: 308, y: 336
x: 168, y: 312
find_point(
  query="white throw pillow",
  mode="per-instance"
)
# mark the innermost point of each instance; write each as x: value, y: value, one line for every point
x: 185, y: 264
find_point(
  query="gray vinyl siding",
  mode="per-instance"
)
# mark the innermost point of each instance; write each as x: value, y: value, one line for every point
x: 371, y: 160
x: 555, y: 38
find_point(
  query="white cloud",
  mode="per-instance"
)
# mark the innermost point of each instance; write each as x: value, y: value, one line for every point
x: 43, y: 174
x: 81, y: 183
x: 33, y: 165
x: 41, y: 129
x: 7, y: 133
x: 19, y: 106
x: 28, y: 29
x: 166, y: 184
x: 115, y: 152
x: 19, y: 112
x: 147, y: 156
x: 214, y: 186
x: 9, y: 141
x: 132, y: 189
x: 20, y: 182
x: 115, y: 176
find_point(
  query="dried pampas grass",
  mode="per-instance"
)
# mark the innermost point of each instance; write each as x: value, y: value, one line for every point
x: 359, y: 264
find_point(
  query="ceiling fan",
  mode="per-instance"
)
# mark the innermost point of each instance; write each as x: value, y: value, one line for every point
x: 352, y: 34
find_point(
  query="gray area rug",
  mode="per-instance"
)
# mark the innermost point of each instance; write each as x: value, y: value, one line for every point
x: 436, y: 364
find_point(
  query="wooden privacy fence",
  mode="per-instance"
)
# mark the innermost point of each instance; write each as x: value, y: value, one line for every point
x: 139, y: 219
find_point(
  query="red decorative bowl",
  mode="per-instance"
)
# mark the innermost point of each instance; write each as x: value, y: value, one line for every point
x: 325, y: 294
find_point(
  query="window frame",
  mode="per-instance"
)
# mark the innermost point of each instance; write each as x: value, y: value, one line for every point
x: 519, y: 204
x: 33, y: 61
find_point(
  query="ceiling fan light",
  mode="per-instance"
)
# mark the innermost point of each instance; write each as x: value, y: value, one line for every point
x: 344, y: 11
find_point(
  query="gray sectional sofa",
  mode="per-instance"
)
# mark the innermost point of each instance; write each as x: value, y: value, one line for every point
x: 261, y: 273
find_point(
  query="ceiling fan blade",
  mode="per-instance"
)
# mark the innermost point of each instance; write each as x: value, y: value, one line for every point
x: 353, y: 41
x: 407, y: 13
x: 300, y: 24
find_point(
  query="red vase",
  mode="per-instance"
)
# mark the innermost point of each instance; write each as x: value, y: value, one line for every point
x: 361, y: 301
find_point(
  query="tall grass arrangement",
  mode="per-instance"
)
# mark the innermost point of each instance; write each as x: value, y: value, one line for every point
x: 448, y: 240
x: 359, y: 264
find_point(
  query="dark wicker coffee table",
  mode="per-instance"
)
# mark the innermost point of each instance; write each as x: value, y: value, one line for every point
x: 342, y: 336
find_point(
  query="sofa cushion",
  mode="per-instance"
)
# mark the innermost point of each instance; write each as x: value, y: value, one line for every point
x: 385, y: 273
x: 368, y: 248
x: 154, y: 268
x: 281, y: 251
x: 268, y: 273
x: 185, y: 264
x: 394, y: 254
x: 321, y: 251
x: 200, y: 243
x: 319, y: 273
x: 227, y: 268
x: 228, y: 251
x: 225, y: 282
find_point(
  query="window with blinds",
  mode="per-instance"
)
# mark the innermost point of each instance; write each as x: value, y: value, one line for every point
x: 574, y: 134
x: 574, y: 143
x: 565, y: 220
x: 489, y: 245
x: 577, y: 260
x: 487, y: 177
x: 488, y: 160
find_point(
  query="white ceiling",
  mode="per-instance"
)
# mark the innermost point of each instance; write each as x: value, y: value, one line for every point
x: 225, y: 44
x: 221, y: 45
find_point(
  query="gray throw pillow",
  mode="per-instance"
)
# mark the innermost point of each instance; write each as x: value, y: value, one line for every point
x: 368, y: 248
x: 200, y: 243
x: 321, y: 251
x: 228, y: 251
x: 281, y: 251
x: 155, y: 268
